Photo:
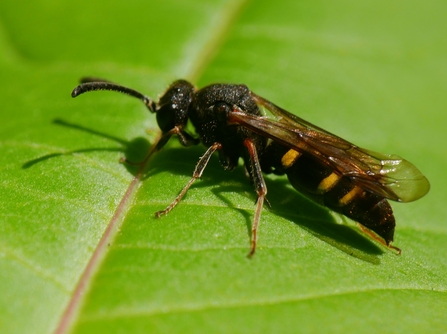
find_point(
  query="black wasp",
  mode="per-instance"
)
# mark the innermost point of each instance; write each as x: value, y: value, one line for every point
x: 328, y: 169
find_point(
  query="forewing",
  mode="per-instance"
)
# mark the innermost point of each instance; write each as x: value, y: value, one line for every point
x: 386, y: 175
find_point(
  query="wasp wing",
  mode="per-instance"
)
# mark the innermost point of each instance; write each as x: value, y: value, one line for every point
x: 386, y: 175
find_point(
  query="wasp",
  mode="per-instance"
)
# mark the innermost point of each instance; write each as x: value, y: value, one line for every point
x: 231, y: 120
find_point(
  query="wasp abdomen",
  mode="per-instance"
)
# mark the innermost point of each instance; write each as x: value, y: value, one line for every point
x: 328, y: 187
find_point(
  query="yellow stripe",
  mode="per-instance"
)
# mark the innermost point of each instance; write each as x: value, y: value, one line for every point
x: 289, y: 158
x: 328, y: 182
x: 350, y: 196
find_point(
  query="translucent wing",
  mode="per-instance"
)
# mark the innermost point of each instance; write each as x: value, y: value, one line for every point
x: 386, y: 175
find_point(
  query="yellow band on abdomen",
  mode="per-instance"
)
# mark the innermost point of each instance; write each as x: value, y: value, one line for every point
x: 289, y: 158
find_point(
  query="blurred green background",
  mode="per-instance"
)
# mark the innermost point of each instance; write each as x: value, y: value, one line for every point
x: 374, y: 72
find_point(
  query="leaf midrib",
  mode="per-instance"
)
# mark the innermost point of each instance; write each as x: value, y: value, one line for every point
x: 209, y: 48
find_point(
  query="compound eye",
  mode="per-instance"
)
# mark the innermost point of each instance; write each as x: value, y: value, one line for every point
x: 166, y: 118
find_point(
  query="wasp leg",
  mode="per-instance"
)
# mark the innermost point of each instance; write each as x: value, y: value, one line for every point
x: 185, y: 140
x: 200, y: 167
x: 161, y: 141
x: 261, y: 191
x: 379, y: 239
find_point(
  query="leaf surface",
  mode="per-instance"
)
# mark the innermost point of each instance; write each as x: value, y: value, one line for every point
x: 80, y: 248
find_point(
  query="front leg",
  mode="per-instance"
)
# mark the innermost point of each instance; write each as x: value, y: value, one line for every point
x: 200, y: 167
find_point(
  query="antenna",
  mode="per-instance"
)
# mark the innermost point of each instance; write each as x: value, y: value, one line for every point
x: 92, y: 84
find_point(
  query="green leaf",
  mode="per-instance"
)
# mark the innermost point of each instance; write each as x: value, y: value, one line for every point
x: 80, y: 248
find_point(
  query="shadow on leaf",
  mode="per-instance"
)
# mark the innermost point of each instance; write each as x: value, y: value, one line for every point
x: 134, y: 150
x: 317, y: 220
